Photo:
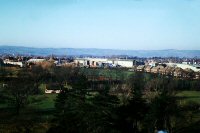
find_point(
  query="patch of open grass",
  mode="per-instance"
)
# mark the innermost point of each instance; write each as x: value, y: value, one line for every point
x: 189, y: 96
x: 42, y: 102
x: 108, y: 73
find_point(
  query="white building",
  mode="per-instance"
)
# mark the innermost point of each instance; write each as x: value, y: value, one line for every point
x: 98, y: 62
x: 124, y: 63
x: 17, y: 63
x: 195, y: 68
x: 52, y: 91
x: 36, y: 60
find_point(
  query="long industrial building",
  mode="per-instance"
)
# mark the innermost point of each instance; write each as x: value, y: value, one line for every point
x: 100, y: 62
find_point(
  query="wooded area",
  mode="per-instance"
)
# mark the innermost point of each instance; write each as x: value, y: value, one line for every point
x: 96, y: 101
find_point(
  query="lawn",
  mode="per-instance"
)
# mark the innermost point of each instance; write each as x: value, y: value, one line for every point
x: 189, y: 96
x: 43, y: 101
x: 36, y: 116
x: 108, y: 73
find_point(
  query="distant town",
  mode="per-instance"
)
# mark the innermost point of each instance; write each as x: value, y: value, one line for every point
x: 171, y: 66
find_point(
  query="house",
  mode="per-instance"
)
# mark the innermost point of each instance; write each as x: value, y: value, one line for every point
x: 148, y: 69
x: 188, y: 73
x: 178, y: 72
x: 155, y: 69
x: 140, y: 68
x: 169, y: 71
x: 52, y: 91
x: 162, y: 70
x: 52, y: 88
x: 197, y: 75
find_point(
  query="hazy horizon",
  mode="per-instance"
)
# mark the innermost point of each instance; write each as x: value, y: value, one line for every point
x: 37, y: 47
x: 101, y: 24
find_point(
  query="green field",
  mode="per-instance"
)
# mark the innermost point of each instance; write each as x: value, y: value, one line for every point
x: 108, y: 73
x: 42, y: 102
x: 36, y: 116
x: 190, y: 96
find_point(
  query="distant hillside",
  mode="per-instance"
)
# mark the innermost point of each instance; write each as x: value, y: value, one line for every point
x: 97, y: 52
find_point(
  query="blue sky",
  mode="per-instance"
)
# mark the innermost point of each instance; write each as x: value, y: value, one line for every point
x: 113, y: 24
